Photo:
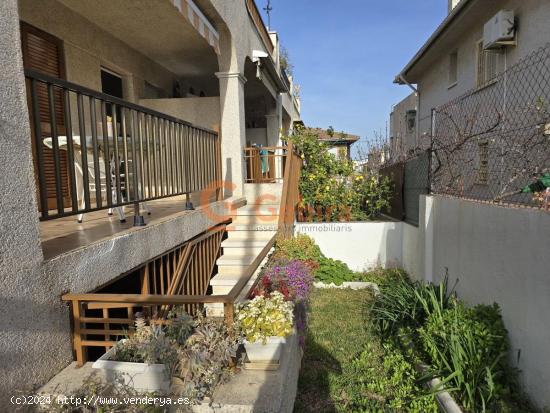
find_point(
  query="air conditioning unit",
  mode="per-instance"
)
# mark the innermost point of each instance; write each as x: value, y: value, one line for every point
x: 500, y: 30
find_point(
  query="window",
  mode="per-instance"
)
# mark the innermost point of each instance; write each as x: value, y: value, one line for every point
x: 453, y: 69
x: 487, y: 64
x: 411, y: 121
x: 483, y: 172
x: 111, y: 83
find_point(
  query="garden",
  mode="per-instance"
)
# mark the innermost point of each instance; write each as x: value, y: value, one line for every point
x: 331, y: 189
x: 374, y: 349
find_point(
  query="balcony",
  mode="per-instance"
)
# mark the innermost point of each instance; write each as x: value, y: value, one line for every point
x: 96, y: 154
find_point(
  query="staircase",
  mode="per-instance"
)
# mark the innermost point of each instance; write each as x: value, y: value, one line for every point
x: 254, y: 224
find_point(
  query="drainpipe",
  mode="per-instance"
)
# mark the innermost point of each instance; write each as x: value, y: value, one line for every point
x: 415, y: 90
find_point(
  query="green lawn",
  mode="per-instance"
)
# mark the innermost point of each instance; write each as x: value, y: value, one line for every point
x: 345, y: 369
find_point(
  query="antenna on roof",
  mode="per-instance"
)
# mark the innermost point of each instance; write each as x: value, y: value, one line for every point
x: 268, y: 9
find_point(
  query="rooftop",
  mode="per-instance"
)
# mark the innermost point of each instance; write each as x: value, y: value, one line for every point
x: 333, y: 136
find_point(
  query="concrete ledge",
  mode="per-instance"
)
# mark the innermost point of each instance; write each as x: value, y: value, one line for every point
x: 89, y: 267
x: 354, y: 285
x: 260, y: 391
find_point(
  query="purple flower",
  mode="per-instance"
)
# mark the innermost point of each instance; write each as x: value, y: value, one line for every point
x: 296, y: 275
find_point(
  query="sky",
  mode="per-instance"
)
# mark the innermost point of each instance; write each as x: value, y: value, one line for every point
x: 346, y: 54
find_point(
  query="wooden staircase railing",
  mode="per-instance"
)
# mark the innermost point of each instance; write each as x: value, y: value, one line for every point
x: 290, y: 196
x: 162, y: 288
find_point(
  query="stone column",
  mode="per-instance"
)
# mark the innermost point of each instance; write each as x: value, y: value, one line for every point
x: 274, y: 123
x: 233, y: 130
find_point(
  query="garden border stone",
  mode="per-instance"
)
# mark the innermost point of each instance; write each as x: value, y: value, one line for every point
x: 354, y: 285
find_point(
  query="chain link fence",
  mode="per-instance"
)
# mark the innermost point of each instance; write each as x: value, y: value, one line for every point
x: 493, y: 143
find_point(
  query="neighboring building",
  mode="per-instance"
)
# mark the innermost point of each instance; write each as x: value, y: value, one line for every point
x: 481, y: 82
x: 453, y: 60
x: 403, y: 120
x: 339, y: 142
x: 146, y: 103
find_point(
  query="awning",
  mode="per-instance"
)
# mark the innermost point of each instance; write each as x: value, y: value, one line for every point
x: 199, y: 21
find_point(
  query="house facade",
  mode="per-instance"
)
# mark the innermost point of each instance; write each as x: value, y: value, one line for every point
x: 403, y: 139
x: 113, y: 108
x: 453, y: 61
x: 339, y: 143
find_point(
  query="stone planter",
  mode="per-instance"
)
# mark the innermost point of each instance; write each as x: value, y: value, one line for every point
x: 270, y: 352
x: 140, y: 376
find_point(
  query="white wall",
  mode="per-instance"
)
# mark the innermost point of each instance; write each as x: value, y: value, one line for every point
x: 502, y: 255
x: 200, y: 111
x: 361, y: 245
x: 498, y: 255
x: 256, y: 136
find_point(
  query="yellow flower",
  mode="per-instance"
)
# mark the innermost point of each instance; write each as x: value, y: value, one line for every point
x: 302, y: 156
x: 327, y: 188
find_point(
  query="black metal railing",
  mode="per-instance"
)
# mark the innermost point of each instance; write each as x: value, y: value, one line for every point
x: 285, y: 78
x: 93, y: 151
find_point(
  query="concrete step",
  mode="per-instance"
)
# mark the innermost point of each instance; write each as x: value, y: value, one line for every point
x: 267, y: 194
x: 234, y: 270
x: 256, y: 219
x: 244, y: 246
x: 258, y: 210
x: 250, y: 235
x: 236, y: 259
x: 263, y: 227
x: 225, y: 280
x: 244, y: 243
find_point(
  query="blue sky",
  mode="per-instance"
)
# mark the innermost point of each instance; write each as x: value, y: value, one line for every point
x: 346, y: 54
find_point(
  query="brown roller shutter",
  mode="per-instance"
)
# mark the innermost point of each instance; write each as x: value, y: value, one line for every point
x: 44, y: 52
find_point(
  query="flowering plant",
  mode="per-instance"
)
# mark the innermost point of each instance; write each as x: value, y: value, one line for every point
x: 264, y: 317
x: 292, y: 279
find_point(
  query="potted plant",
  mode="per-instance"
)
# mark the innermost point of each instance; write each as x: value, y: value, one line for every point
x: 143, y: 361
x: 265, y: 322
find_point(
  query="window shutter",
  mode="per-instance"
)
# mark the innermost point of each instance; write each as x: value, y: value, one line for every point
x: 43, y: 52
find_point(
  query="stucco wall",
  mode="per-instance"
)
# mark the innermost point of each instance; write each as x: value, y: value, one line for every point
x: 402, y: 138
x: 361, y: 245
x: 200, y: 111
x: 501, y: 255
x: 533, y: 33
x: 413, y: 250
x: 498, y: 255
x: 24, y: 294
x: 87, y: 48
x: 256, y: 136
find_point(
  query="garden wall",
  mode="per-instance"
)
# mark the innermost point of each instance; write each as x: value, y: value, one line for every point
x: 499, y: 255
x: 361, y: 245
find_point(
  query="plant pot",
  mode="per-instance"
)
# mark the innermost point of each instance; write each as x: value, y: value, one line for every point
x: 140, y: 376
x: 269, y: 352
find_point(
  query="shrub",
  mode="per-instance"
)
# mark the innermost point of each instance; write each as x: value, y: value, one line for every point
x: 149, y: 344
x: 330, y: 189
x: 262, y: 317
x: 198, y: 351
x: 396, y: 306
x: 403, y: 303
x: 388, y: 383
x: 293, y: 279
x: 333, y: 271
x: 300, y: 247
x: 205, y: 360
x: 469, y: 347
x: 303, y: 248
